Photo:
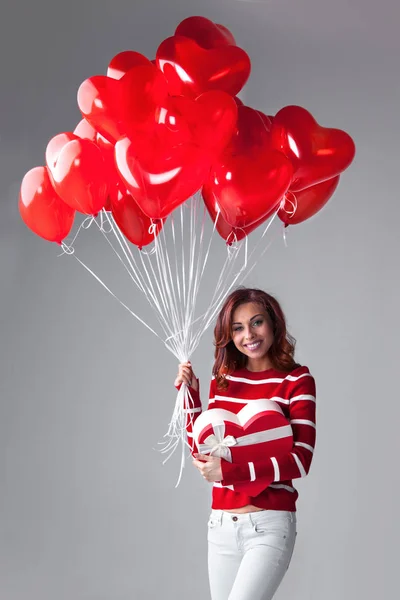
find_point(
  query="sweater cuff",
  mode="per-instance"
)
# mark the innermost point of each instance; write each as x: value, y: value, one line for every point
x: 195, y: 394
x: 249, y: 471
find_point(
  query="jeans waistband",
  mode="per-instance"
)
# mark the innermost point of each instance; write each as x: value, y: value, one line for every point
x: 222, y: 515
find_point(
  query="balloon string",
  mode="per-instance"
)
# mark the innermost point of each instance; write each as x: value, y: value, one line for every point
x: 170, y: 276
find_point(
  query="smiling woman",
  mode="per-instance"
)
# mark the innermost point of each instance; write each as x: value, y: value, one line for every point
x: 257, y: 434
x: 252, y: 334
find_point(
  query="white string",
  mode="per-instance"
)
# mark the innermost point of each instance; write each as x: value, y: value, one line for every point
x: 170, y: 279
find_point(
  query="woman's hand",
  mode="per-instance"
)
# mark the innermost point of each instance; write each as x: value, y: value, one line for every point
x: 210, y: 469
x: 186, y: 375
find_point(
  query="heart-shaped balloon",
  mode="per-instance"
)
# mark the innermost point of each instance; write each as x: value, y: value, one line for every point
x: 228, y: 233
x: 99, y: 101
x: 85, y: 131
x: 248, y: 188
x: 143, y: 91
x: 300, y: 206
x: 54, y: 147
x: 211, y: 119
x: 116, y: 108
x: 205, y: 33
x: 317, y: 153
x: 41, y: 209
x: 266, y: 119
x: 160, y: 176
x: 76, y: 169
x: 134, y: 224
x: 252, y: 134
x: 124, y: 61
x: 191, y: 70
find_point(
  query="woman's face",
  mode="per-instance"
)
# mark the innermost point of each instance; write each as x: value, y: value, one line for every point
x: 252, y: 333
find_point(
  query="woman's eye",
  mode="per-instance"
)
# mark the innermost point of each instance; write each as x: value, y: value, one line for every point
x: 237, y: 329
x: 258, y: 322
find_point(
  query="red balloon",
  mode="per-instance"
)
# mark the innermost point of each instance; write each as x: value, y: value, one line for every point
x: 205, y: 33
x: 249, y: 187
x: 85, y: 130
x: 227, y: 232
x: 115, y: 184
x: 191, y: 69
x: 160, y: 176
x: 134, y: 224
x: 55, y: 145
x: 124, y: 61
x: 99, y: 102
x: 77, y: 172
x: 302, y: 205
x: 211, y: 119
x: 227, y: 34
x: 266, y: 119
x: 144, y: 93
x: 317, y: 153
x: 41, y: 209
x: 116, y: 108
x: 252, y: 133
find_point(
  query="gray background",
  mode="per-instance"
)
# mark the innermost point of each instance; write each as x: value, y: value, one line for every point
x: 87, y: 511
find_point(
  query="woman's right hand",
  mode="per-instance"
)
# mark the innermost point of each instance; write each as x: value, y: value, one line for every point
x: 187, y: 376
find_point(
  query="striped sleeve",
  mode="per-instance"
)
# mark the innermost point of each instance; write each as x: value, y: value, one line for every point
x: 295, y: 464
x: 192, y: 409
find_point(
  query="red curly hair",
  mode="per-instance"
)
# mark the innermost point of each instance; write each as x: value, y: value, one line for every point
x: 228, y: 358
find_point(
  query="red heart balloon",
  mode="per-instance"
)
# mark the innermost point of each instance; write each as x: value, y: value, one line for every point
x: 205, y: 33
x: 85, y: 131
x: 211, y: 119
x: 191, y: 70
x: 302, y: 205
x: 228, y: 233
x: 116, y: 108
x: 54, y: 147
x: 266, y: 119
x: 124, y: 61
x: 41, y: 209
x: 159, y: 176
x: 115, y: 185
x: 248, y: 188
x: 77, y: 173
x: 252, y: 132
x: 99, y: 101
x: 134, y: 224
x: 228, y: 35
x: 317, y: 153
x: 144, y: 91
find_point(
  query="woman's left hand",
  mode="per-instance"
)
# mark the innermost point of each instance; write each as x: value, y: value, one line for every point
x: 210, y: 469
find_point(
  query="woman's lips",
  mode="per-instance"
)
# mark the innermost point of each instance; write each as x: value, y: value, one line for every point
x: 253, y: 346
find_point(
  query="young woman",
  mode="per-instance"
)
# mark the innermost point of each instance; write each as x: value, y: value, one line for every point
x: 251, y: 539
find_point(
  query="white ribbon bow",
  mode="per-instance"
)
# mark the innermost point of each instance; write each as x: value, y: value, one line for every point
x: 218, y: 445
x: 221, y: 448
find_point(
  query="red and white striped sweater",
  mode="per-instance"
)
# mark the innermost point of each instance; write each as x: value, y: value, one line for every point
x: 295, y: 393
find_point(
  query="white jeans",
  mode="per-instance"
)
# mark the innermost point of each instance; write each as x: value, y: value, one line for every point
x: 249, y: 554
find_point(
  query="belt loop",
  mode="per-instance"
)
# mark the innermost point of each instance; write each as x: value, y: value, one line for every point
x: 218, y: 514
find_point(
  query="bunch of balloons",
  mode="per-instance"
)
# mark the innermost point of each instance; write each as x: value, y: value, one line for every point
x: 154, y: 132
